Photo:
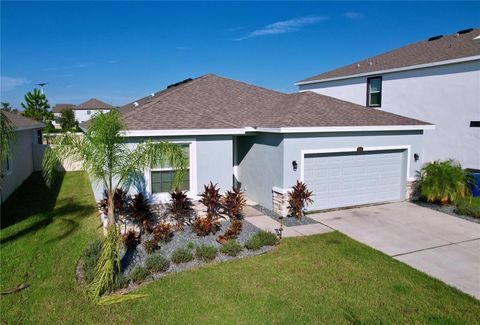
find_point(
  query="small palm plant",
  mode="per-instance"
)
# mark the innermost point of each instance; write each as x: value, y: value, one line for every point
x: 107, y: 158
x: 444, y: 182
x: 298, y: 199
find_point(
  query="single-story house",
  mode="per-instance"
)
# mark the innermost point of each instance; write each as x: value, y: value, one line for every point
x: 25, y: 156
x: 84, y: 111
x: 264, y: 141
x: 436, y: 80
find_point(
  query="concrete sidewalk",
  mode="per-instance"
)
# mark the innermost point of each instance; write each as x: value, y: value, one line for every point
x: 266, y: 223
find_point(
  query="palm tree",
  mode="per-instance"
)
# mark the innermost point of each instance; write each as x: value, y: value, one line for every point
x: 107, y: 158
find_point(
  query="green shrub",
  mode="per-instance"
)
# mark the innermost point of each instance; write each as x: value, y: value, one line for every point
x: 260, y: 239
x: 444, y: 182
x: 139, y: 274
x: 181, y: 255
x: 206, y: 252
x: 190, y: 245
x: 157, y: 263
x: 469, y: 207
x: 90, y: 258
x: 120, y: 282
x: 231, y: 248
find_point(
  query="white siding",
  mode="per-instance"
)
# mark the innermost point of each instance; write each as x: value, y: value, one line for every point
x: 447, y: 96
x: 82, y: 116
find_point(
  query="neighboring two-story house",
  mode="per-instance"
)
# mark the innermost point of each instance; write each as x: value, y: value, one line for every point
x: 435, y: 80
x: 84, y: 111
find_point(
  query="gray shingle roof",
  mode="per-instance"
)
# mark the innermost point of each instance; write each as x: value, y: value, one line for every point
x: 93, y: 104
x: 21, y: 122
x: 59, y: 107
x: 446, y: 48
x: 212, y: 102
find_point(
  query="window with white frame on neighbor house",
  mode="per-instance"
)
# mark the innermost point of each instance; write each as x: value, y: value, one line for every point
x: 374, y: 92
x: 162, y: 177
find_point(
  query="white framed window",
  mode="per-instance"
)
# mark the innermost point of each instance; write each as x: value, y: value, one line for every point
x: 159, y: 179
x: 374, y: 92
x: 89, y: 112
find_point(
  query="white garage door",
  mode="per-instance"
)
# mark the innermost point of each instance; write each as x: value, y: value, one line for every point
x: 354, y: 178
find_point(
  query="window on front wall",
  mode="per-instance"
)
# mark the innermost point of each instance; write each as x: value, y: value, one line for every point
x: 374, y: 92
x: 89, y: 112
x: 162, y: 177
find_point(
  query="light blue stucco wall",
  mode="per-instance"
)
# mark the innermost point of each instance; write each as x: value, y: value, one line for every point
x: 265, y: 160
x: 215, y: 162
x: 212, y: 157
x: 260, y: 166
x: 295, y: 143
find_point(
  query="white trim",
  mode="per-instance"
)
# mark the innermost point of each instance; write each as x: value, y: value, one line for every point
x: 412, y: 67
x: 339, y: 150
x: 192, y: 193
x: 165, y: 133
x: 346, y: 128
x: 280, y: 190
x: 149, y: 133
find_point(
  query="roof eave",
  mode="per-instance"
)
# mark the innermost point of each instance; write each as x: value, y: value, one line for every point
x: 240, y: 131
x: 181, y: 132
x: 412, y: 67
x: 29, y: 127
x: 347, y: 128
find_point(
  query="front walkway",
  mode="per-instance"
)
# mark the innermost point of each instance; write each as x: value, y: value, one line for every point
x: 264, y: 222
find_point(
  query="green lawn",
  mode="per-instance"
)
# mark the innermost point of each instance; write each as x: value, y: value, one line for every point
x: 326, y: 278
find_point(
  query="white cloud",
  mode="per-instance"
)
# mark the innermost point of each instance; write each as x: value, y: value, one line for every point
x: 353, y: 15
x: 284, y: 26
x: 9, y: 83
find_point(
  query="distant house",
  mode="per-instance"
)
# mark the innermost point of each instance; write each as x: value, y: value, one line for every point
x: 435, y: 80
x: 83, y: 111
x: 25, y: 156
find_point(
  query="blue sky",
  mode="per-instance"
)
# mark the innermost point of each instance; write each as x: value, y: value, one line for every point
x: 120, y: 51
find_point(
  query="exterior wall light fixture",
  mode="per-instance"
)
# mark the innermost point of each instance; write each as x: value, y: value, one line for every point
x: 294, y: 165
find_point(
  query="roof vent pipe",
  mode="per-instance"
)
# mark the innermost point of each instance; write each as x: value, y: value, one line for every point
x: 464, y: 31
x: 434, y: 38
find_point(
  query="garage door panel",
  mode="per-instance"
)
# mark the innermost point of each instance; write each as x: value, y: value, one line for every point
x: 347, y: 179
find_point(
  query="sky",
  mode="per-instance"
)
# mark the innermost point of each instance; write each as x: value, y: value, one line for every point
x: 121, y: 51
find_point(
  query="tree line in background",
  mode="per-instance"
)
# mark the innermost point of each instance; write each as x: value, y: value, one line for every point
x: 36, y: 107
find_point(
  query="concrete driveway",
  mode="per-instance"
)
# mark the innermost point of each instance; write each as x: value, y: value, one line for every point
x: 443, y: 246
